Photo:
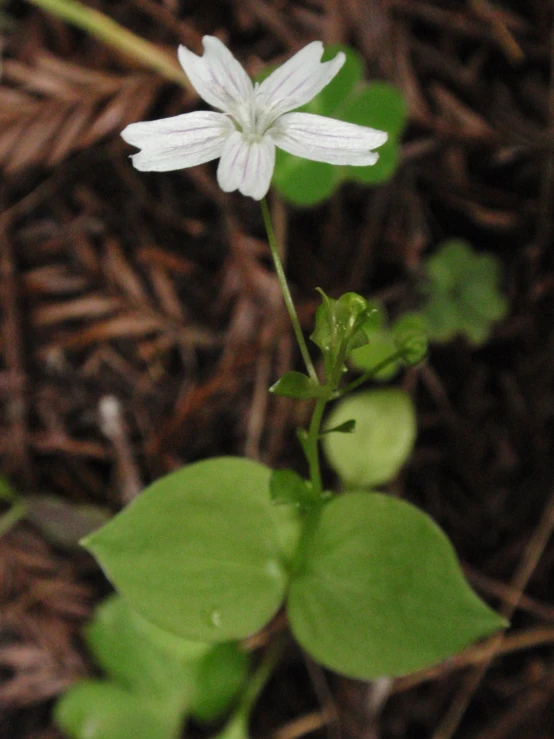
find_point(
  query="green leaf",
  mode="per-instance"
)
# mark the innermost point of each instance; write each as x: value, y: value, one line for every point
x: 17, y: 509
x: 296, y: 385
x: 236, y: 728
x: 200, y: 552
x: 454, y: 258
x: 381, y: 593
x: 383, y: 439
x: 442, y: 316
x: 347, y: 98
x: 94, y: 709
x: 463, y: 293
x: 221, y: 676
x: 347, y: 427
x: 379, y: 347
x: 351, y: 75
x: 168, y: 674
x: 380, y: 106
x: 338, y: 330
x: 409, y: 333
x: 383, y: 107
x: 141, y: 657
x: 303, y: 182
x: 286, y: 487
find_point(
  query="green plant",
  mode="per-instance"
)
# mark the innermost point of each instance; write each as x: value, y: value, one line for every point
x: 372, y: 586
x: 152, y: 682
x: 210, y: 553
x: 462, y: 293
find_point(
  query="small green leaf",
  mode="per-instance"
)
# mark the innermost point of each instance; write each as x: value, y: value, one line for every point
x: 296, y: 385
x: 381, y: 593
x: 379, y: 347
x: 219, y: 679
x: 409, y: 333
x: 453, y: 258
x: 139, y: 656
x: 383, y: 439
x: 347, y: 427
x: 199, y: 553
x: 338, y: 330
x: 286, y: 487
x: 95, y: 709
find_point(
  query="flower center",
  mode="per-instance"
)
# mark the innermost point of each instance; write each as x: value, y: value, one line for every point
x: 252, y: 119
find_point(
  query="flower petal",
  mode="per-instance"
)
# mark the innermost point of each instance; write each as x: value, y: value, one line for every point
x: 246, y: 166
x: 326, y: 139
x: 296, y: 82
x: 178, y: 142
x: 217, y: 76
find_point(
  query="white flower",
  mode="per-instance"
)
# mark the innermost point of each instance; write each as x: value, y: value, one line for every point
x: 254, y: 120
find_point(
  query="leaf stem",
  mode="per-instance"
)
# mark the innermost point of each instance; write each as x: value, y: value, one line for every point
x: 312, y: 447
x: 287, y: 297
x: 12, y: 516
x: 370, y: 374
x: 104, y: 28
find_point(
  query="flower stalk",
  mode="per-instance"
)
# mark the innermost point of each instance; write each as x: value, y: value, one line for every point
x: 287, y: 297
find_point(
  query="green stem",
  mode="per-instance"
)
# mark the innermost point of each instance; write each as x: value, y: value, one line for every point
x: 312, y: 447
x: 252, y: 691
x: 370, y: 374
x: 287, y: 297
x: 11, y: 517
x: 107, y: 30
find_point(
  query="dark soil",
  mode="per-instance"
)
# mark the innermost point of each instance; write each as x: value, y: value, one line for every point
x: 157, y: 290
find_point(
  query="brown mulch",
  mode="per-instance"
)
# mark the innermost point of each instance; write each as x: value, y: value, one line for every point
x: 156, y: 291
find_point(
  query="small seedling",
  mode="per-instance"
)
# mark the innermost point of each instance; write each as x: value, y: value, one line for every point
x: 462, y: 293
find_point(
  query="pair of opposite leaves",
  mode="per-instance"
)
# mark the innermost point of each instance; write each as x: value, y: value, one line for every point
x: 204, y: 554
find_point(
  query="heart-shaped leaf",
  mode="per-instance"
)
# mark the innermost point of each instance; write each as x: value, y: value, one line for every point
x: 380, y: 591
x: 201, y: 552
